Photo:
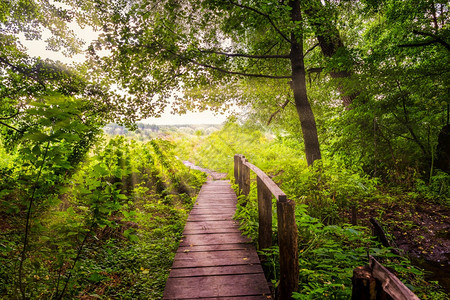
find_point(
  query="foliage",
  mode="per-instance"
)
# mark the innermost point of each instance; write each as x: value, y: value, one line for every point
x: 124, y: 200
x: 76, y: 214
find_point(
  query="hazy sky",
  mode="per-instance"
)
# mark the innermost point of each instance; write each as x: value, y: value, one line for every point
x: 38, y: 48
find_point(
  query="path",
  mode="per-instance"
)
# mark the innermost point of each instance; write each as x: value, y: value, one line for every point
x: 214, y: 261
x: 212, y: 175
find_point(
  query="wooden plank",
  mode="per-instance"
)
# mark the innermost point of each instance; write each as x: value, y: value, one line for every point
x: 214, y: 271
x: 216, y: 202
x: 241, y: 285
x: 390, y: 283
x: 217, y: 247
x: 204, y: 204
x: 222, y: 200
x: 217, y: 194
x: 236, y: 169
x: 212, y: 224
x: 259, y: 297
x: 201, y: 218
x: 213, y: 211
x: 208, y: 239
x: 245, y: 178
x: 228, y: 215
x: 214, y: 258
x: 241, y: 174
x: 217, y: 211
x: 212, y: 231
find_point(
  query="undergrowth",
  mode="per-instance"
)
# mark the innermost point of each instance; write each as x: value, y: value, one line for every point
x: 329, y: 247
x: 110, y: 230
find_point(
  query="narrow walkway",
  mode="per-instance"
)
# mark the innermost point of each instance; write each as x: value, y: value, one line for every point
x: 214, y: 261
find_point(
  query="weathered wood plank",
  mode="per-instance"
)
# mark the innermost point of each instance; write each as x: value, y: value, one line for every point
x: 245, y: 179
x: 188, y: 259
x: 217, y: 247
x: 390, y: 283
x: 213, y: 271
x: 217, y: 211
x: 222, y: 201
x: 211, y: 224
x: 215, y: 239
x: 259, y: 297
x: 236, y: 168
x: 220, y: 194
x: 212, y: 231
x: 216, y: 286
x: 202, y: 218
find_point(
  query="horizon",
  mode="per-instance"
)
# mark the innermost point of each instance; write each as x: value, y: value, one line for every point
x: 37, y: 48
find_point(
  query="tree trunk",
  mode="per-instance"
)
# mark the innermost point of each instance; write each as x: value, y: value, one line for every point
x: 443, y: 149
x: 305, y: 113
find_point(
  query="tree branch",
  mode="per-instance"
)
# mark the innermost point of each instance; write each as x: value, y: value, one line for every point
x: 310, y: 49
x: 28, y: 221
x: 217, y: 68
x: 245, y: 55
x: 436, y: 37
x: 10, y: 127
x: 278, y: 111
x: 21, y: 71
x: 433, y: 39
x: 418, y: 44
x: 226, y: 71
x: 264, y: 15
x: 314, y: 70
x: 237, y: 73
x: 10, y: 117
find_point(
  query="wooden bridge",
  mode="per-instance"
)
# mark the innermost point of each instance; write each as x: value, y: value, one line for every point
x: 214, y: 261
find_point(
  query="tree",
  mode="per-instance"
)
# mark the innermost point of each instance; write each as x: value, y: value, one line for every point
x: 159, y: 47
x: 50, y: 116
x: 402, y: 67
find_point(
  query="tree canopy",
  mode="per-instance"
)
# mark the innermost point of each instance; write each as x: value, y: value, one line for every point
x: 386, y: 60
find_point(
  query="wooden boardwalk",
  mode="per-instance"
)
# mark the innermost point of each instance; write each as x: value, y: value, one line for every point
x: 214, y: 261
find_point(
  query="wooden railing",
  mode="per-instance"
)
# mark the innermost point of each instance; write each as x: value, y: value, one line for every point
x: 374, y: 281
x: 369, y: 282
x: 287, y: 228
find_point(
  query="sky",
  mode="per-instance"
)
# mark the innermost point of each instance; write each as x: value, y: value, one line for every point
x: 38, y: 48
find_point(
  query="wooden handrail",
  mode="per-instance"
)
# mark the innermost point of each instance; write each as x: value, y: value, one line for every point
x: 287, y: 227
x: 272, y: 186
x: 390, y: 283
x: 374, y: 281
x: 384, y: 282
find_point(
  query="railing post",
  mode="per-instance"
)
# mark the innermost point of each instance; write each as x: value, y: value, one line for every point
x: 265, y: 215
x: 246, y: 178
x: 241, y: 173
x: 236, y: 168
x: 287, y: 242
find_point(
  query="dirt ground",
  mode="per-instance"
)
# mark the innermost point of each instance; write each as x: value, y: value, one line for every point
x: 421, y: 229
